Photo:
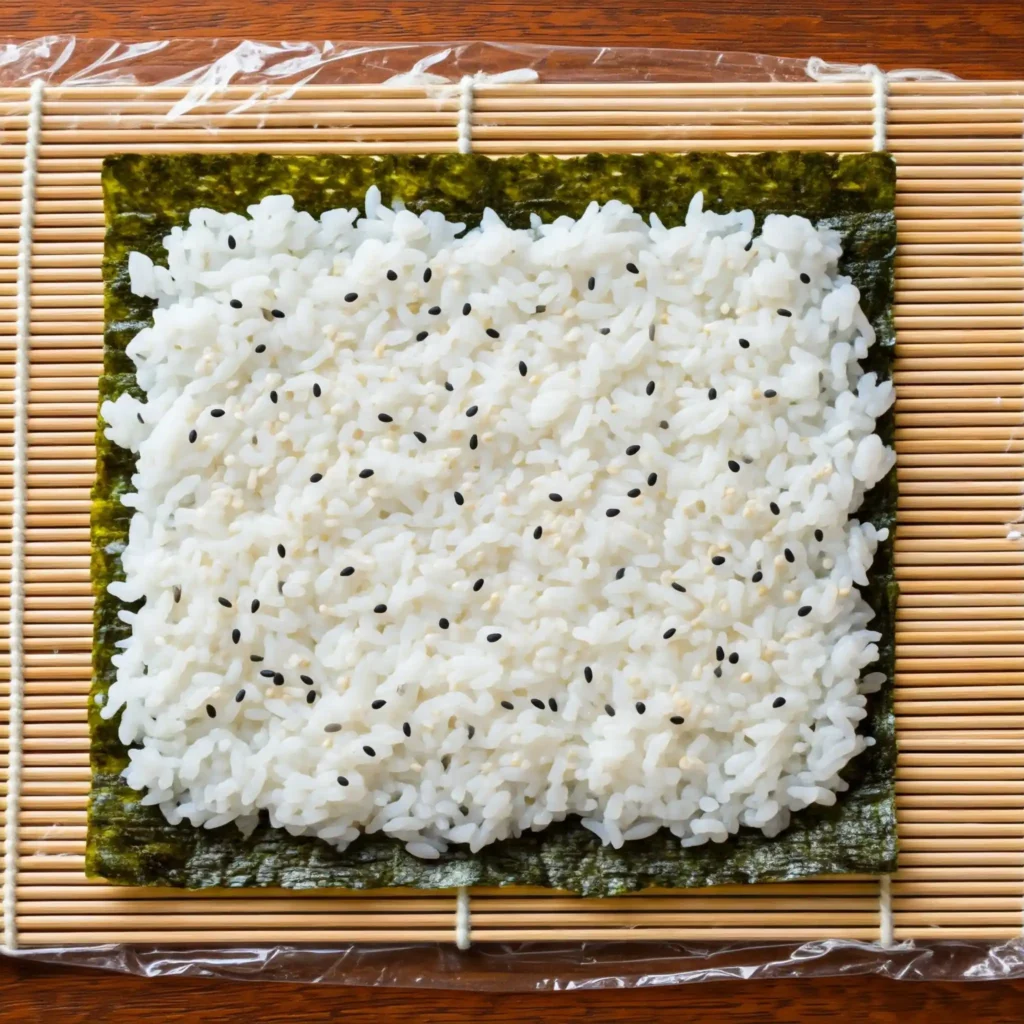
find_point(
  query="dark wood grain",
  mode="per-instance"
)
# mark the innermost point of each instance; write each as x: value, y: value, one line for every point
x: 982, y: 39
x: 973, y: 40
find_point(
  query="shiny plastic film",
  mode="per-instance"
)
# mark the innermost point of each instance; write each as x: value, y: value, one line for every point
x: 918, y: 871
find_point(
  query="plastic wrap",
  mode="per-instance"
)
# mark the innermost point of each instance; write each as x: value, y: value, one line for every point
x: 211, y: 70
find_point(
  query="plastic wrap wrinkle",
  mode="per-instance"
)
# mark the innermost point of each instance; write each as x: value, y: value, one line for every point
x: 277, y: 69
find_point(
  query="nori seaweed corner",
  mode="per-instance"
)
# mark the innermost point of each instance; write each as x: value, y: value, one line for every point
x: 145, y: 196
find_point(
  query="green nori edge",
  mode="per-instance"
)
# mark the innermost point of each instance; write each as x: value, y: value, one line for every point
x: 145, y: 196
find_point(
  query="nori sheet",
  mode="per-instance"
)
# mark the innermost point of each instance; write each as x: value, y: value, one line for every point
x: 145, y: 196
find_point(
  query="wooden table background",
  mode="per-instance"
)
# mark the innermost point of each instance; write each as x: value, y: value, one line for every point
x: 982, y: 39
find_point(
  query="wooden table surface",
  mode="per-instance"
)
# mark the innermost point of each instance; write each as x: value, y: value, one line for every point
x: 981, y: 39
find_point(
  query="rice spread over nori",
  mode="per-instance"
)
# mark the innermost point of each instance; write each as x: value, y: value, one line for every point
x: 560, y: 855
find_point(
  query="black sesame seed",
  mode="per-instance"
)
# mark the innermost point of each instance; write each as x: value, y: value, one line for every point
x: 605, y: 330
x: 240, y: 696
x: 612, y: 513
x: 734, y: 658
x: 316, y: 478
x: 443, y: 623
x: 466, y: 309
x: 308, y: 680
x: 348, y: 570
x: 279, y: 679
x: 260, y: 348
x: 236, y: 303
x: 652, y: 479
x: 492, y: 333
x: 819, y: 535
x: 588, y: 674
x: 192, y: 435
x: 407, y: 728
x: 757, y: 577
x: 718, y: 672
x: 770, y: 393
x: 804, y: 610
x: 342, y: 781
x: 473, y: 442
x: 677, y: 719
x: 747, y: 247
x: 507, y: 705
x: 537, y: 533
x: 216, y: 413
x: 718, y: 560
x: 668, y: 634
x: 734, y: 465
x: 537, y: 703
x: 369, y: 751
x: 784, y: 312
x: 633, y: 449
x: 541, y: 309
x: 650, y: 332
x: 420, y: 436
x: 778, y: 702
x: 663, y: 424
x: 522, y: 368
x: 720, y: 653
x: 712, y: 393
x: 224, y: 601
x: 632, y: 268
x: 377, y: 704
x: 478, y: 586
x: 427, y: 274
x: 620, y: 573
x: 311, y: 696
x: 176, y: 590
x: 392, y: 276
x: 552, y: 703
x: 422, y: 336
x: 609, y: 710
x: 679, y: 587
x: 236, y: 636
x: 384, y: 417
x: 365, y: 474
x: 472, y: 411
x: 641, y: 707
x: 493, y: 638
x: 332, y: 727
x: 280, y: 586
x: 470, y: 731
x: 273, y: 397
x: 317, y: 390
x: 790, y: 557
x: 267, y: 673
x: 434, y: 310
x: 555, y: 496
x: 448, y: 386
x: 351, y: 296
x: 806, y: 278
x: 380, y: 609
x: 591, y: 282
x: 774, y: 507
x: 281, y: 550
x: 744, y: 343
x: 459, y: 499
x: 231, y: 241
x: 650, y: 387
x: 633, y: 492
x: 211, y: 710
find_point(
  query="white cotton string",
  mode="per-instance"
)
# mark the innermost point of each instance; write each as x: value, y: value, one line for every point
x: 462, y: 919
x: 823, y: 71
x: 885, y: 911
x: 21, y: 370
x: 881, y: 102
x: 466, y: 114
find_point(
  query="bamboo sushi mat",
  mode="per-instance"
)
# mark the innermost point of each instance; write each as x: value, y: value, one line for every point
x: 959, y: 315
